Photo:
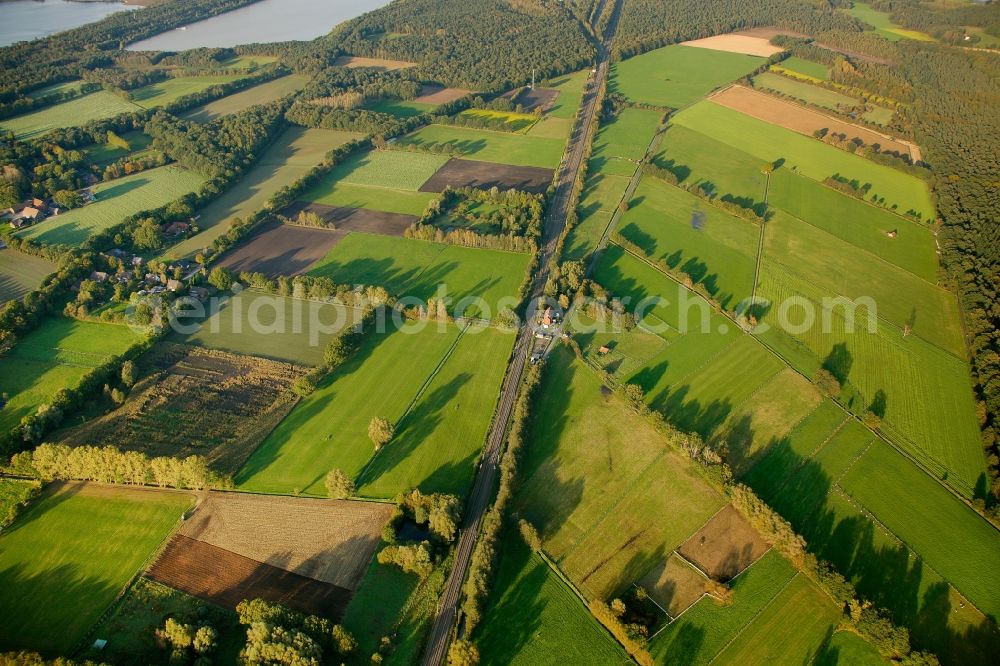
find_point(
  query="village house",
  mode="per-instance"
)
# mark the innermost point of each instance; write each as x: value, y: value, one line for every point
x: 174, y: 285
x: 99, y: 276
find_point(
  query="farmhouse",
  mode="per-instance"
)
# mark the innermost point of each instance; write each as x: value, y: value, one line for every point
x: 174, y: 285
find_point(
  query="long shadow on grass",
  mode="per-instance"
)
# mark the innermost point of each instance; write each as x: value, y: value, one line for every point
x: 887, y: 575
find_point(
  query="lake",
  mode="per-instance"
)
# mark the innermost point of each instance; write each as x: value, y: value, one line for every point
x: 28, y: 19
x: 264, y: 21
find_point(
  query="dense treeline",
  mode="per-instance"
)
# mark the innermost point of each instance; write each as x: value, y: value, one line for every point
x: 648, y: 24
x: 365, y: 121
x: 222, y: 148
x: 945, y: 22
x: 481, y: 44
x: 34, y: 64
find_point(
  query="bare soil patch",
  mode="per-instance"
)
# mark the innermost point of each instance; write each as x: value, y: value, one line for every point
x: 281, y: 249
x: 225, y: 578
x: 725, y: 545
x: 327, y: 540
x: 737, y: 43
x: 355, y: 219
x: 803, y: 120
x: 531, y: 99
x: 197, y: 401
x: 469, y: 173
x: 674, y: 585
x: 439, y: 95
x: 381, y: 64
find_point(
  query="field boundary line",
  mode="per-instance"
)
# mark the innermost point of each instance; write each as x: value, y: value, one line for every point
x: 791, y: 431
x: 855, y: 459
x: 805, y: 459
x: 754, y: 618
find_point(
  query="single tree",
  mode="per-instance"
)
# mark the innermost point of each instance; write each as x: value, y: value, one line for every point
x: 130, y: 374
x: 220, y: 278
x: 338, y: 484
x: 381, y: 431
x: 826, y: 382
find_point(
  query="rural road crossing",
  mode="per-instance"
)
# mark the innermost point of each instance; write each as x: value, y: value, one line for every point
x: 485, y: 481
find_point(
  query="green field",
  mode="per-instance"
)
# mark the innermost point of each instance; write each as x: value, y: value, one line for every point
x: 438, y: 441
x: 790, y: 630
x: 80, y: 111
x: 392, y: 169
x: 487, y: 146
x: 622, y: 142
x: 424, y: 270
x: 170, y: 90
x: 808, y: 67
x: 333, y: 192
x: 676, y: 76
x: 116, y: 200
x: 714, y: 248
x: 698, y: 159
x: 698, y: 635
x: 570, y: 87
x: 329, y: 428
x: 922, y: 390
x: 596, y: 475
x: 861, y: 224
x: 806, y: 155
x: 931, y: 521
x: 833, y: 267
x: 244, y: 99
x: 21, y: 273
x: 598, y: 201
x: 884, y: 25
x: 534, y: 618
x: 68, y: 556
x: 103, y: 154
x: 286, y: 160
x: 804, y: 92
x: 65, y: 86
x: 55, y: 355
x: 878, y: 115
x: 260, y: 324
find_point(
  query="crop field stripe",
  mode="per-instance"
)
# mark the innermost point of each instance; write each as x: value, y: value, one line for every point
x: 753, y: 618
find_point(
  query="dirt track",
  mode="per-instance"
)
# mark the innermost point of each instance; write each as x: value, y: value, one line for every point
x: 281, y: 249
x: 484, y: 175
x: 801, y: 119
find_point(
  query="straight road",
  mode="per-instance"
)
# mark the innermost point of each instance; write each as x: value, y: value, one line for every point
x: 486, y: 477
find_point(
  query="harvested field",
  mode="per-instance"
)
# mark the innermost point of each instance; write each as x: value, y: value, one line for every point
x: 437, y: 95
x: 198, y: 402
x: 225, y: 578
x: 736, y: 43
x: 674, y: 585
x: 531, y: 99
x: 381, y: 64
x: 327, y: 540
x: 484, y: 175
x: 725, y: 546
x: 281, y: 249
x: 803, y: 120
x: 347, y: 219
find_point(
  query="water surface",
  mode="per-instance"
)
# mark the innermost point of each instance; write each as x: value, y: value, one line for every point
x: 264, y: 21
x: 28, y: 19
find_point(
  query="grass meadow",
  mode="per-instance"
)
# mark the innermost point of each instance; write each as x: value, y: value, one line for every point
x: 329, y: 428
x: 533, y: 617
x: 70, y: 554
x: 594, y: 477
x: 332, y: 192
x: 244, y: 99
x: 80, y: 111
x: 55, y: 355
x: 424, y: 269
x: 570, y: 87
x: 789, y: 630
x: 170, y: 90
x: 116, y: 200
x: 884, y: 25
x: 698, y: 635
x: 804, y: 92
x: 622, y: 142
x: 405, y: 108
x: 517, y: 122
x: 806, y: 155
x: 286, y: 327
x: 103, y: 154
x: 489, y: 146
x: 285, y: 160
x: 599, y: 199
x: 21, y: 273
x: 714, y: 248
x: 438, y: 441
x: 676, y: 76
x: 391, y: 169
x: 807, y: 67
